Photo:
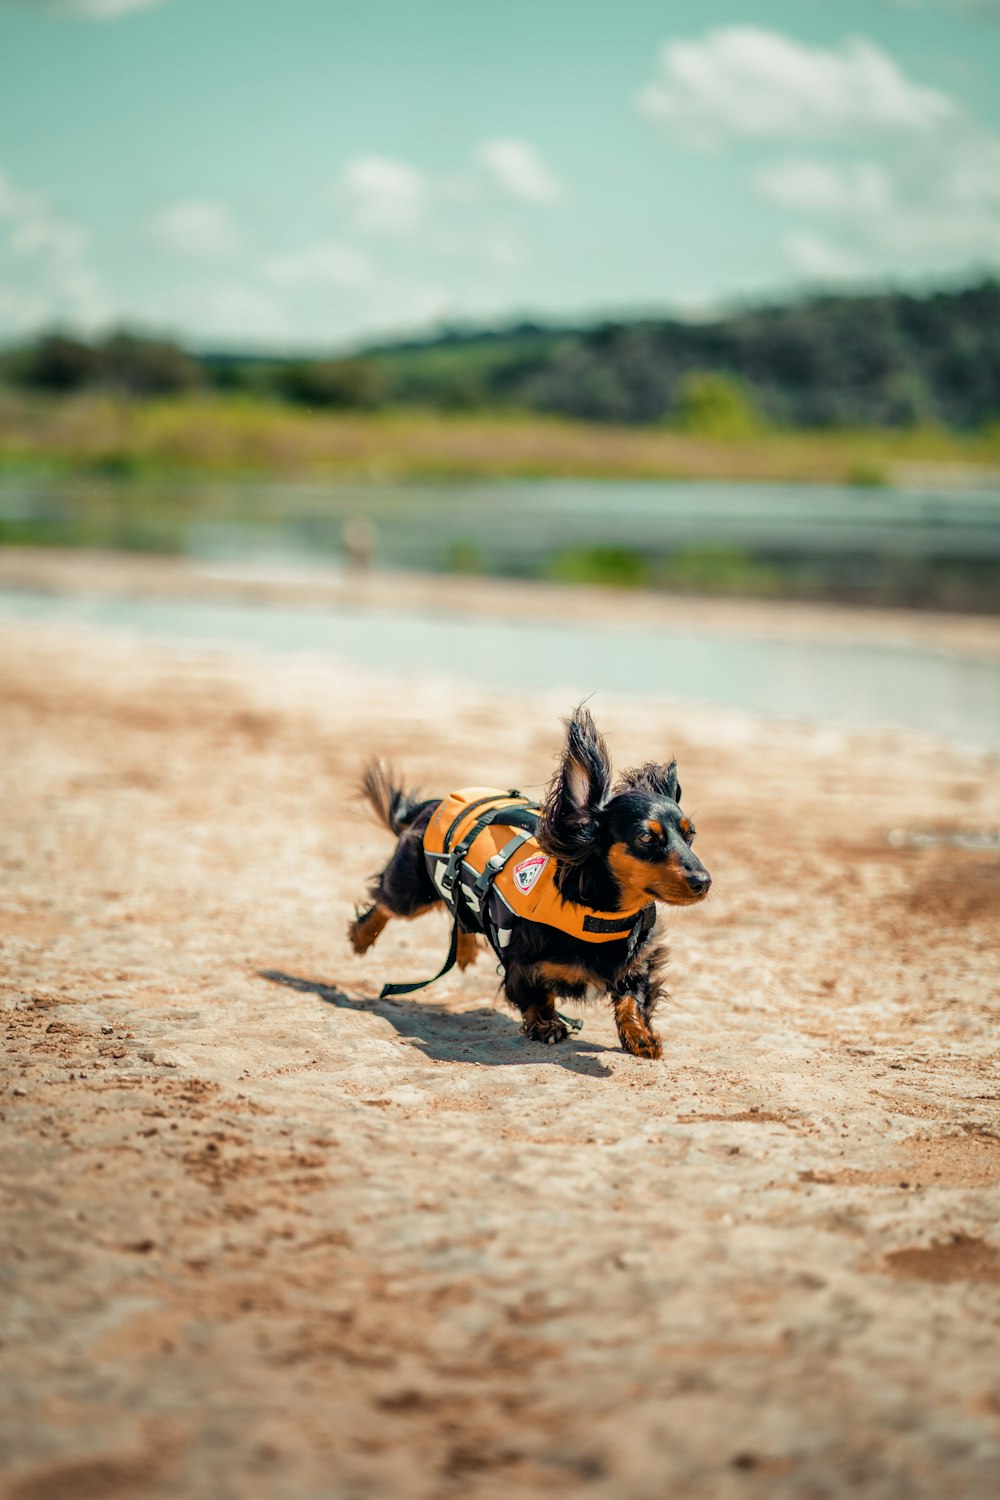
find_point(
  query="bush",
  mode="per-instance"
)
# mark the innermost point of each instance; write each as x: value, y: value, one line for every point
x: 344, y: 383
x: 713, y: 405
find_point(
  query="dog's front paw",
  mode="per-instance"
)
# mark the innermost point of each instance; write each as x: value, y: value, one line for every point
x: 641, y: 1043
x: 549, y: 1029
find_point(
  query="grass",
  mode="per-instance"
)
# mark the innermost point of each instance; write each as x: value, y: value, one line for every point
x: 223, y: 436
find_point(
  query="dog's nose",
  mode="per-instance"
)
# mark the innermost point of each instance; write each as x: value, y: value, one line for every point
x: 699, y: 881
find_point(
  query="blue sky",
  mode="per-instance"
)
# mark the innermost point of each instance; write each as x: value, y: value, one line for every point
x: 307, y: 173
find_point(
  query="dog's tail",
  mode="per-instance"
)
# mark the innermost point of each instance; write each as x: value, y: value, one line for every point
x: 390, y: 803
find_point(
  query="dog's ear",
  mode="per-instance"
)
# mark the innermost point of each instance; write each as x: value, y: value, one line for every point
x: 569, y: 822
x: 652, y: 777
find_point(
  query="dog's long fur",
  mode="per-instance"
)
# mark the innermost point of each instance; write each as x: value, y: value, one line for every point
x: 614, y: 847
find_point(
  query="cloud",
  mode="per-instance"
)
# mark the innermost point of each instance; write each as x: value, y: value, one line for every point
x: 333, y: 264
x: 196, y: 229
x: 44, y: 268
x: 825, y: 188
x: 90, y: 10
x: 933, y: 213
x: 743, y: 81
x: 820, y: 259
x: 519, y: 170
x: 34, y: 228
x: 383, y: 194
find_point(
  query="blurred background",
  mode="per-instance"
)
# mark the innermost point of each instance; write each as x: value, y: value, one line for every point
x: 686, y: 302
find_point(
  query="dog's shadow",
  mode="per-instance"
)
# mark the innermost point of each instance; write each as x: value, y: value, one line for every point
x: 484, y: 1036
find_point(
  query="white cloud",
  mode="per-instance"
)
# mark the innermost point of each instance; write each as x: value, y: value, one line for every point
x: 933, y: 213
x: 818, y: 185
x: 34, y: 228
x: 819, y: 259
x: 196, y: 229
x: 334, y: 264
x: 745, y: 81
x: 519, y: 170
x: 91, y: 10
x: 384, y: 194
x: 44, y: 266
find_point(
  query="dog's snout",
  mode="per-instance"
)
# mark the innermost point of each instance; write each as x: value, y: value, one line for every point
x: 699, y: 881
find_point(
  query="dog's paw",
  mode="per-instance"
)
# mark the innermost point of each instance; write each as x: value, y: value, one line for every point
x: 641, y: 1043
x: 365, y: 928
x: 546, y: 1029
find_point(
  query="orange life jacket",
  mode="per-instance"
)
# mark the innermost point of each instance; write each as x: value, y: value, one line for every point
x: 480, y: 843
x: 490, y: 870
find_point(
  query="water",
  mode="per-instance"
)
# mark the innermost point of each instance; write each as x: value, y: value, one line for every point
x: 863, y: 684
x: 511, y: 525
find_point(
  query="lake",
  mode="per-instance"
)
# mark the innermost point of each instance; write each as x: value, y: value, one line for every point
x: 918, y: 545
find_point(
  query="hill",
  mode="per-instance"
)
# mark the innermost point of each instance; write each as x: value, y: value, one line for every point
x: 892, y: 360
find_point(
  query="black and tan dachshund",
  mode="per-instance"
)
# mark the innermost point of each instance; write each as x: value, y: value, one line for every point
x: 615, y: 849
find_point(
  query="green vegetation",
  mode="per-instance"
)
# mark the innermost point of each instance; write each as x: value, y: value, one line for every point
x: 886, y: 361
x: 840, y: 389
x: 716, y: 406
x: 211, y: 435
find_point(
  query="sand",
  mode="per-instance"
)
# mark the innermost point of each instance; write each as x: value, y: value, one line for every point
x: 265, y: 1235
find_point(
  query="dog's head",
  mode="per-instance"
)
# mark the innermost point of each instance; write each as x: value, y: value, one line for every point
x: 636, y: 830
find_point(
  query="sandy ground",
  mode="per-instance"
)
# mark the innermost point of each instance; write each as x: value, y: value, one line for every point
x: 267, y: 1236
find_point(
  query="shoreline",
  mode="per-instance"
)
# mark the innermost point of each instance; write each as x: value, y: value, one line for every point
x: 121, y: 574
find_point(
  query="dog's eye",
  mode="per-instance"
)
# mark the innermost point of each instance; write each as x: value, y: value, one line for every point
x: 645, y: 839
x: 689, y: 834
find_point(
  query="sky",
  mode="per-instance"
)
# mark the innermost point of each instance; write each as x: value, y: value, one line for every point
x: 315, y: 175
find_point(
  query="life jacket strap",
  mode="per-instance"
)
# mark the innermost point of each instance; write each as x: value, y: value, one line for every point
x: 463, y: 812
x: 523, y: 814
x: 493, y: 866
x: 388, y: 990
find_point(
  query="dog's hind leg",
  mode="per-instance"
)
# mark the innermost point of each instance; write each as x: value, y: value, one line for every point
x: 403, y: 889
x: 366, y: 927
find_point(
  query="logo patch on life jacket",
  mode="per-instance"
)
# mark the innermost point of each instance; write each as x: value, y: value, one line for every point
x: 528, y: 871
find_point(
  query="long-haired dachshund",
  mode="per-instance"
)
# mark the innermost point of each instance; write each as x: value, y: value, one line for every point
x: 606, y: 853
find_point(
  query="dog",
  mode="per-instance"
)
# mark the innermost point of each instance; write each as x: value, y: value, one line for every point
x: 577, y: 908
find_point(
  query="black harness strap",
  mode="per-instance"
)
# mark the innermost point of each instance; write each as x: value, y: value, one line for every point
x: 388, y: 990
x: 513, y: 817
x: 493, y: 866
x: 617, y: 924
x: 524, y: 817
x: 470, y: 806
